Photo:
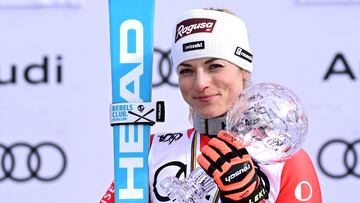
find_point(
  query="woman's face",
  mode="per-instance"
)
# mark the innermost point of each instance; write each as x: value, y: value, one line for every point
x: 210, y: 85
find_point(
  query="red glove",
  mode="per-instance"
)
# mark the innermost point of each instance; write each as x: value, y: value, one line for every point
x: 226, y: 160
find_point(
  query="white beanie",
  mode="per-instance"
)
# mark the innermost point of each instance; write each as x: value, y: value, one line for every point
x: 203, y: 33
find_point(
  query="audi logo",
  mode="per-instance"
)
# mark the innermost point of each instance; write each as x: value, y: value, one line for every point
x: 347, y: 153
x: 165, y: 73
x: 21, y: 162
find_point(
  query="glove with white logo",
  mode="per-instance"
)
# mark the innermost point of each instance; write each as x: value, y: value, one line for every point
x: 238, y: 178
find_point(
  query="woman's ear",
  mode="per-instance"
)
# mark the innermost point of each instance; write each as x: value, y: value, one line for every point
x: 245, y: 74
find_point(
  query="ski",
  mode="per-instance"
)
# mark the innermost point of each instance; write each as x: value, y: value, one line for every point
x: 131, y: 111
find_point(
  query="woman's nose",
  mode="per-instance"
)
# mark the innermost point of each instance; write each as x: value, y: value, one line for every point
x: 202, y: 81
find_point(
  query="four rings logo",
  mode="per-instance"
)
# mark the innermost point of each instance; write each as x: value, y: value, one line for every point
x: 165, y: 72
x: 349, y: 153
x: 21, y: 162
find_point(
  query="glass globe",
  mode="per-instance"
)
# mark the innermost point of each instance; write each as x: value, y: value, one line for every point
x: 270, y: 120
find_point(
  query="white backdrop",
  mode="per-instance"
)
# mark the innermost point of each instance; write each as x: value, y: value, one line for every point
x: 294, y: 43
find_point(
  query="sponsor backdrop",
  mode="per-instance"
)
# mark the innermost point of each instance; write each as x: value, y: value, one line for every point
x: 55, y: 89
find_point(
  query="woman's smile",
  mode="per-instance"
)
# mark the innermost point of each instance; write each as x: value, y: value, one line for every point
x: 206, y: 98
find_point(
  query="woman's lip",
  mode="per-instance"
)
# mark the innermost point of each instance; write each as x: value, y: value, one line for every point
x: 205, y: 97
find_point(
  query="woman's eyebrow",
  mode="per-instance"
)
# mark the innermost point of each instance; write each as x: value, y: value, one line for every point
x: 184, y: 64
x: 210, y: 60
x: 206, y: 62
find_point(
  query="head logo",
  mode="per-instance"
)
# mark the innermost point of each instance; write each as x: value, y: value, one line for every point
x: 193, y: 25
x: 134, y: 139
x: 303, y: 191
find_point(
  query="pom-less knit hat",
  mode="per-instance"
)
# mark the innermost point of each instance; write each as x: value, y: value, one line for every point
x: 203, y: 33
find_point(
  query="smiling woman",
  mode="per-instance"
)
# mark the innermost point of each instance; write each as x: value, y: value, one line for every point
x: 211, y: 52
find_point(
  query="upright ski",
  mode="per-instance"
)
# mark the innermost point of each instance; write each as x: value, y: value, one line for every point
x: 131, y: 35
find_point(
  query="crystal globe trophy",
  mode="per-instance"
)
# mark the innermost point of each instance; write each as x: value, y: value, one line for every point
x: 268, y: 119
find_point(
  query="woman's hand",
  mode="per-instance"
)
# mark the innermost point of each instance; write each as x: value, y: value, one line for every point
x: 226, y: 160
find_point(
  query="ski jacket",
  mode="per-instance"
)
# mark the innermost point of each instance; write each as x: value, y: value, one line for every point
x: 174, y: 154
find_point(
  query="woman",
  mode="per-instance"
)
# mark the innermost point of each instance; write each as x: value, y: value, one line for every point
x: 213, y: 59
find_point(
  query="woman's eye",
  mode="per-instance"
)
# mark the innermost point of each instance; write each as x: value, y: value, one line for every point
x: 185, y: 71
x: 215, y: 66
